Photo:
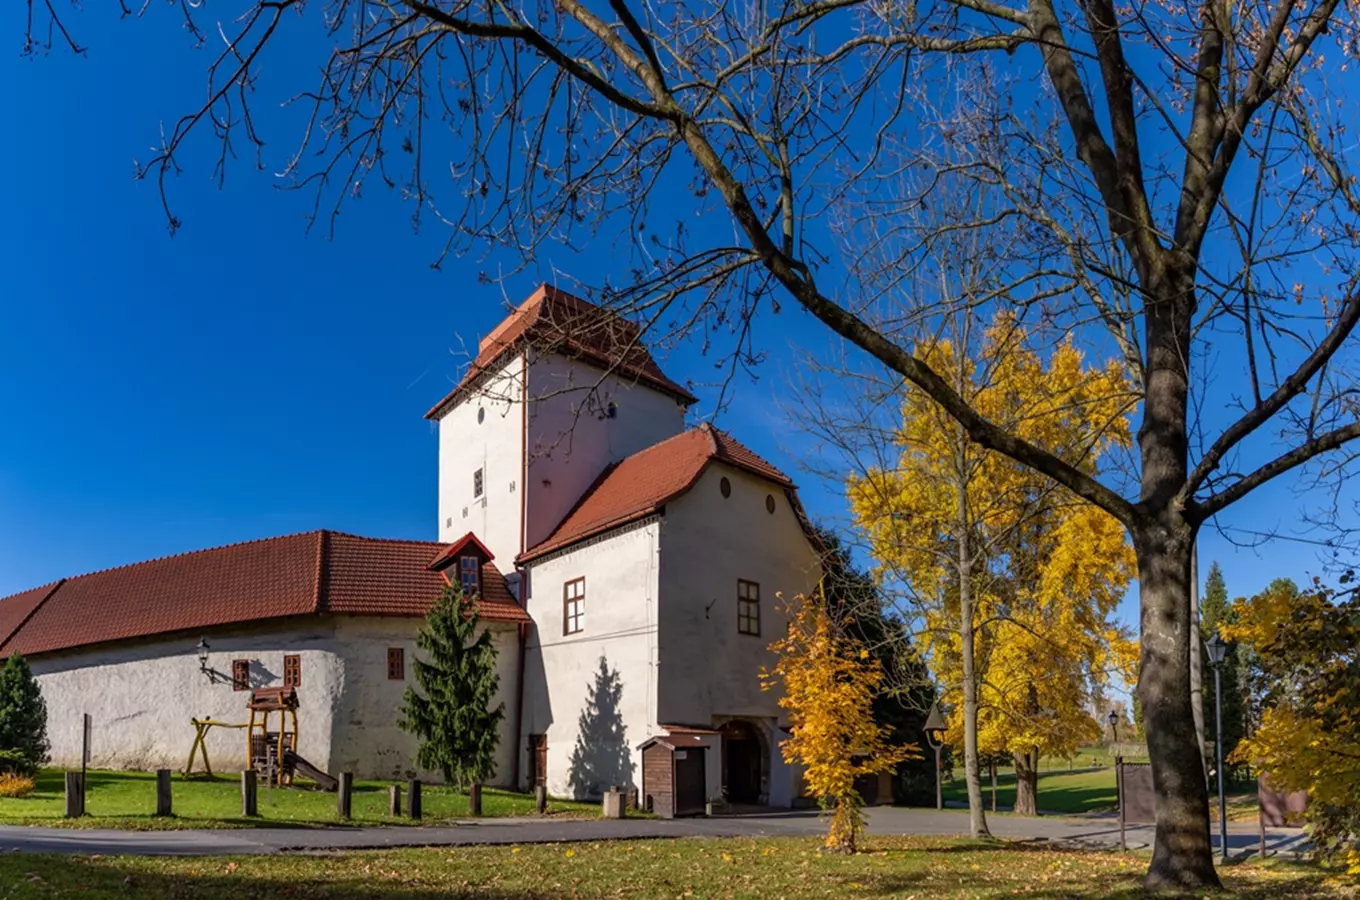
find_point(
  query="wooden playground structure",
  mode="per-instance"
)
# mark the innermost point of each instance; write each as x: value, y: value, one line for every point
x: 272, y: 754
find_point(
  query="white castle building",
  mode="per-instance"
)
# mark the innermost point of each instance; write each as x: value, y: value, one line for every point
x: 628, y: 568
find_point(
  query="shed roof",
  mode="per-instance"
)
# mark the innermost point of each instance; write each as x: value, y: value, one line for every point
x: 315, y: 572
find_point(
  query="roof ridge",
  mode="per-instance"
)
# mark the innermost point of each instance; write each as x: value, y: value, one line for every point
x: 36, y: 587
x: 379, y: 540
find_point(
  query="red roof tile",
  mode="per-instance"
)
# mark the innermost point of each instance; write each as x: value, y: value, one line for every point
x: 555, y: 321
x: 641, y: 484
x: 300, y: 574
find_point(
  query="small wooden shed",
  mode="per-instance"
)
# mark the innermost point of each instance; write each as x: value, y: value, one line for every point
x: 673, y: 770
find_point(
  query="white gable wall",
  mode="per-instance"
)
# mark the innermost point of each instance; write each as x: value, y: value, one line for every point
x: 563, y: 672
x: 571, y: 441
x: 496, y: 446
x: 708, y: 671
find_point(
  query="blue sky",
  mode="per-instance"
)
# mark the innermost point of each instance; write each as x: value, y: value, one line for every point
x: 243, y: 379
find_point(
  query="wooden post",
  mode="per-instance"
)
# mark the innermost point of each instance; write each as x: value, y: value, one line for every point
x: 394, y: 800
x: 413, y: 798
x: 163, y: 792
x: 249, y: 800
x: 475, y: 800
x: 540, y: 799
x: 75, y: 801
x: 344, y: 799
x: 1261, y: 826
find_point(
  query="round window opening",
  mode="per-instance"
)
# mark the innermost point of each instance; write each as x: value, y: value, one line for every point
x: 726, y: 487
x: 481, y: 415
x: 769, y: 503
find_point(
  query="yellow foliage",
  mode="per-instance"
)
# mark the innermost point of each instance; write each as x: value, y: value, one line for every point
x: 829, y: 683
x: 1052, y: 568
x: 12, y: 785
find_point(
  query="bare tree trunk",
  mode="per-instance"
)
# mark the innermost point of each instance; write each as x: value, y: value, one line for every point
x: 1182, y: 856
x: 1027, y: 783
x: 977, y: 818
x: 1196, y: 658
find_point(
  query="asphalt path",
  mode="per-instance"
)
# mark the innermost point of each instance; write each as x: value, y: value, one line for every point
x: 1090, y: 831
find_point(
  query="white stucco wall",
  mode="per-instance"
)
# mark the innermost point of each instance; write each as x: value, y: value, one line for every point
x: 365, y: 737
x: 561, y: 670
x: 570, y: 440
x: 708, y: 671
x: 142, y: 695
x: 496, y: 446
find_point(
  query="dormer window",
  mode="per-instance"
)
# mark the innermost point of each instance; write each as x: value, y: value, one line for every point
x: 470, y: 571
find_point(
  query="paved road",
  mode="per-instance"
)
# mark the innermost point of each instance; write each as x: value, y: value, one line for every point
x: 1101, y: 831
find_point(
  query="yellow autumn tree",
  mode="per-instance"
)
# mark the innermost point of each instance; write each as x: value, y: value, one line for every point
x: 1015, y: 578
x: 1303, y: 645
x: 829, y: 681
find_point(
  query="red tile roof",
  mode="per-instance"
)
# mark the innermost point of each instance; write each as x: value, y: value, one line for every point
x: 456, y: 549
x: 316, y: 572
x: 554, y: 321
x: 641, y: 484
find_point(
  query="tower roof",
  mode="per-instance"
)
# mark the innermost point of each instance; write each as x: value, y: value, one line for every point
x: 643, y: 483
x: 552, y: 320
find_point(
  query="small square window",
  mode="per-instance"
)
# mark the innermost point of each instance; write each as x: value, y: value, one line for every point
x: 748, y: 607
x: 477, y: 483
x: 240, y: 674
x: 573, y: 606
x: 396, y: 664
x: 292, y: 671
x: 469, y: 572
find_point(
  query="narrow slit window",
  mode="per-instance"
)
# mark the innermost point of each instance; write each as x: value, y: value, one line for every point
x: 478, y: 483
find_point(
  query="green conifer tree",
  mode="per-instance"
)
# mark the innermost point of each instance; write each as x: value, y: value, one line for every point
x: 452, y: 711
x: 23, y: 720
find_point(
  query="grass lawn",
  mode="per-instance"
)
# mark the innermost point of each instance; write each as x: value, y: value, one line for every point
x: 128, y: 800
x: 1079, y: 791
x: 919, y: 868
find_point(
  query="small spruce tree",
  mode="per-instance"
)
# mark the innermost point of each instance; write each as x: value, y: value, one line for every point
x: 451, y: 712
x: 23, y: 720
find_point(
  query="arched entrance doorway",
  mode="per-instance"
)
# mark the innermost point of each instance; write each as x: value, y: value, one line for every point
x: 743, y: 762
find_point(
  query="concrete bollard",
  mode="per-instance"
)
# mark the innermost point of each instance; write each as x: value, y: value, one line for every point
x: 163, y: 807
x: 613, y: 805
x: 75, y: 795
x: 413, y: 799
x: 249, y: 799
x: 540, y: 799
x: 345, y: 798
x: 475, y: 800
x: 394, y: 800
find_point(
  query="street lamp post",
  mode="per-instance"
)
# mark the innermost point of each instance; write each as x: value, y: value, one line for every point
x: 1218, y: 651
x: 935, y: 737
x: 1114, y: 727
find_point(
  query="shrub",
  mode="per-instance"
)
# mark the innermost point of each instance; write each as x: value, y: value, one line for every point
x: 12, y: 785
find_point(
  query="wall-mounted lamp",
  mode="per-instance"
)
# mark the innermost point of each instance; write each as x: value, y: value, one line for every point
x: 214, y: 676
